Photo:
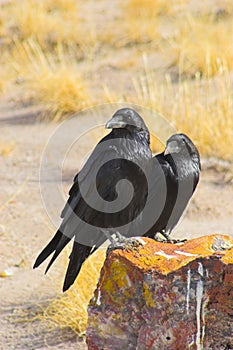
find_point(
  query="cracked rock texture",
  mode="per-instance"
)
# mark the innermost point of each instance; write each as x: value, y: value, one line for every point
x: 165, y: 296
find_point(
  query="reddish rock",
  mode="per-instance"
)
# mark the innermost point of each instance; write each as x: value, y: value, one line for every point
x: 165, y: 296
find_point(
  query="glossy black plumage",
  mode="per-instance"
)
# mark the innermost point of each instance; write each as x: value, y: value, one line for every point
x: 174, y: 177
x: 124, y: 152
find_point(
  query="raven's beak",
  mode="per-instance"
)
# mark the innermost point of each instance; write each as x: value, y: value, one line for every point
x: 116, y: 122
x: 172, y: 147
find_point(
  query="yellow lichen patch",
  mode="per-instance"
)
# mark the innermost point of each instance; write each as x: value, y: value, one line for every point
x: 148, y: 296
x: 117, y: 279
x: 166, y: 257
x: 228, y: 258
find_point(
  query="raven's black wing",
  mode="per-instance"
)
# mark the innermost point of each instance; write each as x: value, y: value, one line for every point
x: 76, y: 209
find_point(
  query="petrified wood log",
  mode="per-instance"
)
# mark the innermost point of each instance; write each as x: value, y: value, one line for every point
x: 165, y: 296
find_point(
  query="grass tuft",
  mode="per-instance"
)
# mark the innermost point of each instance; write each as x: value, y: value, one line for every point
x: 142, y: 18
x: 202, y: 108
x: 54, y: 79
x: 48, y: 22
x: 203, y: 44
x: 70, y: 310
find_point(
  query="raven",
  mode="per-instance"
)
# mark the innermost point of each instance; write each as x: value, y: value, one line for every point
x: 108, y: 193
x: 174, y: 177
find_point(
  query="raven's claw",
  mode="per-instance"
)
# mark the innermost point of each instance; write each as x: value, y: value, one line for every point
x: 128, y: 244
x: 166, y: 238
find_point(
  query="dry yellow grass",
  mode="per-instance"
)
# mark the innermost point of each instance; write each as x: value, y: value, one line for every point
x: 202, y: 108
x: 62, y: 91
x: 70, y: 310
x: 2, y: 27
x: 1, y: 86
x: 6, y: 148
x: 151, y: 8
x: 142, y: 18
x: 6, y: 78
x: 199, y: 41
x: 52, y: 79
x: 203, y: 44
x: 49, y: 22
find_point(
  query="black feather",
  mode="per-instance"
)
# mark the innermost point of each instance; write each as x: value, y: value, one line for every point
x: 64, y: 240
x: 48, y: 249
x: 78, y: 255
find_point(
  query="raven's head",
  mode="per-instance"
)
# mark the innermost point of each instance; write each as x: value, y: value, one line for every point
x: 182, y: 145
x: 126, y: 118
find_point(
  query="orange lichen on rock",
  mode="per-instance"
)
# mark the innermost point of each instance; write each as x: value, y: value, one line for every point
x: 166, y: 258
x: 165, y: 296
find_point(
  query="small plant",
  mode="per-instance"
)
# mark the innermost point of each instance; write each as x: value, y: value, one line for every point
x: 70, y: 310
x: 54, y: 79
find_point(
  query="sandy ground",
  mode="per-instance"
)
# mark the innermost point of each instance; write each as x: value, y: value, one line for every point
x: 25, y: 228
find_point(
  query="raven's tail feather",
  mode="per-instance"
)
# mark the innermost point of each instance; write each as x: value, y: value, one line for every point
x: 61, y: 244
x: 78, y: 255
x: 48, y: 249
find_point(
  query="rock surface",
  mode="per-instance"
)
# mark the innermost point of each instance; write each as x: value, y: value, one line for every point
x: 165, y: 296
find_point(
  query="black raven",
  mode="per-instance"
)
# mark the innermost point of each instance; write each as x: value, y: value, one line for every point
x: 100, y: 203
x: 174, y: 177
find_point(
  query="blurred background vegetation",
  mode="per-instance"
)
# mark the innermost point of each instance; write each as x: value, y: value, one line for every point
x: 175, y: 57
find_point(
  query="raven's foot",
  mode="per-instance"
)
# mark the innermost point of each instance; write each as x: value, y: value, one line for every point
x: 166, y: 238
x: 176, y: 241
x: 128, y: 244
